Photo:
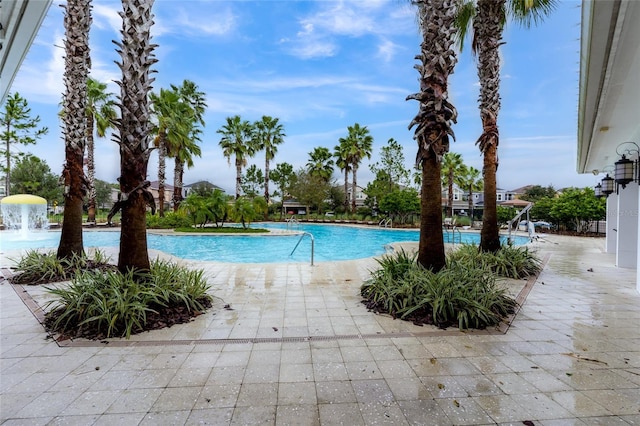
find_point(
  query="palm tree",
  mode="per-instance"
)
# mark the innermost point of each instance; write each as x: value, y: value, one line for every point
x: 77, y: 22
x: 101, y: 114
x: 359, y: 145
x: 469, y: 180
x: 172, y: 127
x: 436, y: 19
x: 341, y: 153
x: 320, y: 163
x: 186, y: 148
x: 134, y: 125
x: 451, y: 168
x: 268, y: 135
x: 237, y: 137
x: 488, y: 17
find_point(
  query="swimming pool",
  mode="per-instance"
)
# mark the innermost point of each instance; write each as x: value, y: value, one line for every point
x: 331, y: 243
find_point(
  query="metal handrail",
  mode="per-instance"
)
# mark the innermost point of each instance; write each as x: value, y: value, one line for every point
x: 517, y: 220
x: 291, y: 221
x: 454, y: 235
x: 300, y: 240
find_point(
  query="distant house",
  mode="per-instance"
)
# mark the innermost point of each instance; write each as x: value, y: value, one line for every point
x: 168, y: 194
x: 293, y: 207
x: 360, y: 195
x: 188, y: 189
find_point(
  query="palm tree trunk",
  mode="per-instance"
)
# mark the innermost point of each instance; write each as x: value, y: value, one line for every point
x: 91, y: 170
x: 346, y: 188
x: 471, y: 203
x: 162, y: 156
x: 437, y: 22
x: 238, y: 178
x: 178, y: 174
x: 136, y: 52
x: 354, y: 188
x: 77, y: 21
x: 431, y: 246
x: 266, y: 184
x: 488, y: 29
x: 490, y: 233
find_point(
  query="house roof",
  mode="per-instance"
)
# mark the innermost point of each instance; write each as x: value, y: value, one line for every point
x: 204, y: 183
x: 156, y: 185
x: 516, y: 203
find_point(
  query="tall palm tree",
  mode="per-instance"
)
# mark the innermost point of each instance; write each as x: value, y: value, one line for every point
x: 268, y: 135
x: 172, y: 126
x: 436, y: 19
x: 452, y: 166
x: 341, y: 153
x: 487, y: 18
x: 237, y: 141
x: 134, y: 135
x: 77, y: 22
x: 101, y: 113
x: 359, y: 144
x: 186, y: 148
x: 469, y: 180
x: 320, y: 163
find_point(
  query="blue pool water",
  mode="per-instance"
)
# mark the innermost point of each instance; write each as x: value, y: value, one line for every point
x: 331, y: 243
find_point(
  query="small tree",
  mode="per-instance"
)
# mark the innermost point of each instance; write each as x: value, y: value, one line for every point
x: 576, y: 208
x: 310, y: 189
x: 252, y: 181
x: 31, y: 175
x: 400, y: 204
x: 17, y: 127
x: 282, y: 176
x: 538, y: 192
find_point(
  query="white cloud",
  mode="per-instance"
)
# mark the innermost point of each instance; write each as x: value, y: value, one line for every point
x: 386, y: 50
x: 105, y: 15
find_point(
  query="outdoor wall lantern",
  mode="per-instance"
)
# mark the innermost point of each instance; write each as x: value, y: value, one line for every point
x: 626, y: 169
x: 598, y: 190
x: 608, y: 186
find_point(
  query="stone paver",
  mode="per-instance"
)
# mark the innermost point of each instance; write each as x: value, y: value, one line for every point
x: 299, y: 348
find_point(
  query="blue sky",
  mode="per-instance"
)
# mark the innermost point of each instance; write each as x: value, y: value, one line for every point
x: 320, y: 66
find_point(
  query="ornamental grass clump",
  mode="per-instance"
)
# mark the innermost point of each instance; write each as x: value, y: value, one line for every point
x: 98, y: 305
x: 508, y: 262
x: 457, y: 295
x: 37, y: 267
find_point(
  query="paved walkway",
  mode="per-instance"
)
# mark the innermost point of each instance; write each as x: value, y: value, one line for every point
x: 296, y: 346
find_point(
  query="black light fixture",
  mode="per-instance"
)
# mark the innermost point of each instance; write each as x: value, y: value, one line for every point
x: 625, y: 170
x: 608, y: 186
x: 598, y: 190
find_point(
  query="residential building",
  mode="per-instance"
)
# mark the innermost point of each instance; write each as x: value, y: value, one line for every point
x: 360, y: 195
x: 608, y: 124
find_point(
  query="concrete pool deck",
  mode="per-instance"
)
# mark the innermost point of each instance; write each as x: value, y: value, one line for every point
x: 296, y: 346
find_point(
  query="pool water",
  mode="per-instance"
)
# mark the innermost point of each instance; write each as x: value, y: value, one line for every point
x: 331, y: 243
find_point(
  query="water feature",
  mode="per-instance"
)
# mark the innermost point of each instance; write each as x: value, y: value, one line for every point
x: 24, y: 216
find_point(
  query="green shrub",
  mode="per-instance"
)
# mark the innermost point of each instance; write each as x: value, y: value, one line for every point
x: 171, y: 220
x: 463, y: 221
x: 111, y: 304
x: 467, y: 297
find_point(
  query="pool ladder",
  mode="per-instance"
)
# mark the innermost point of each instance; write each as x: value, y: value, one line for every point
x: 300, y: 240
x: 292, y: 221
x: 452, y: 237
x: 386, y: 223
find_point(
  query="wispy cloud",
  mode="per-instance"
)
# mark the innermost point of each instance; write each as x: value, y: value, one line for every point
x: 319, y: 31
